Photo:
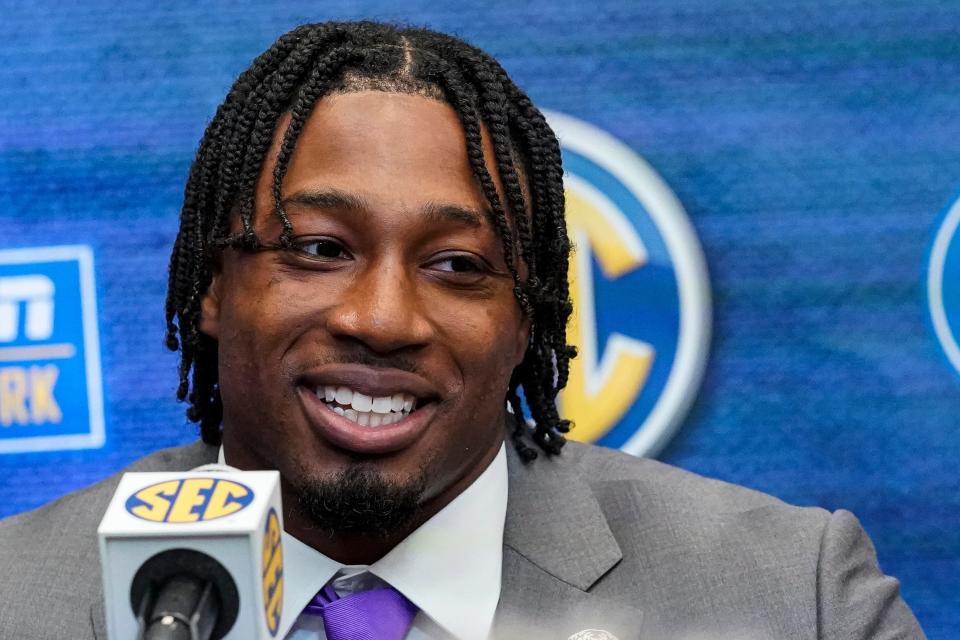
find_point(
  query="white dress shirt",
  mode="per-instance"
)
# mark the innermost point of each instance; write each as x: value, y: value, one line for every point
x: 449, y: 567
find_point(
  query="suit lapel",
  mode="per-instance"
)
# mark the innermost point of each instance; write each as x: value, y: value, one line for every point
x: 557, y: 545
x: 98, y: 616
x: 536, y: 605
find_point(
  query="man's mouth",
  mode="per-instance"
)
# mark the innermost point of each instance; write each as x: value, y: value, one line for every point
x: 365, y: 410
x: 368, y: 410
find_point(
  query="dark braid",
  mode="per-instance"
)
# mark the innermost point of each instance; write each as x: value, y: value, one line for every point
x: 318, y: 60
x: 493, y: 80
x: 306, y: 99
x: 455, y: 93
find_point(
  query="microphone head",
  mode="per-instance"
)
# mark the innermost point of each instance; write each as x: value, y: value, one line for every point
x: 218, y: 525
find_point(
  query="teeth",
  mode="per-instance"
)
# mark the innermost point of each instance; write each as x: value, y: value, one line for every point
x: 361, y: 402
x: 366, y: 410
x: 369, y: 418
x: 344, y: 396
x: 382, y: 404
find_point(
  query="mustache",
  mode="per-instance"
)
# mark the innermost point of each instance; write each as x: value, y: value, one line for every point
x: 362, y: 356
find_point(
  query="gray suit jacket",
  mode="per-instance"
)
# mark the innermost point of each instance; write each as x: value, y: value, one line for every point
x: 594, y: 539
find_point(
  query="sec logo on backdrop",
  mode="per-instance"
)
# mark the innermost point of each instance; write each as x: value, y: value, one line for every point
x: 641, y: 295
x: 943, y: 284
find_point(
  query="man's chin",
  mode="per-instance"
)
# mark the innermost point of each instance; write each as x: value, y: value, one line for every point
x: 360, y: 501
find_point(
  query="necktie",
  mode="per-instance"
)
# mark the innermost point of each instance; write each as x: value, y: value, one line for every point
x: 378, y: 614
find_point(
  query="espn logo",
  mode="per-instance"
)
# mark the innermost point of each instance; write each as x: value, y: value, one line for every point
x: 50, y: 382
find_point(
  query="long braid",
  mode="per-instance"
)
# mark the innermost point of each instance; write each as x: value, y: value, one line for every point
x: 197, y: 227
x: 458, y: 98
x: 540, y: 393
x: 320, y: 77
x: 316, y: 60
x: 495, y: 106
x: 255, y: 133
x: 239, y: 135
x: 539, y: 399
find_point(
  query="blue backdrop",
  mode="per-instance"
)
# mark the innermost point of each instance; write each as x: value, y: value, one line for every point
x: 813, y: 145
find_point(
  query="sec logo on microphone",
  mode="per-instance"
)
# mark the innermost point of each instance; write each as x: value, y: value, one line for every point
x: 189, y: 500
x: 641, y: 295
x: 272, y: 564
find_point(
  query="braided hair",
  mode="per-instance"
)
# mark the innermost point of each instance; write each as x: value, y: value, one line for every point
x: 315, y: 60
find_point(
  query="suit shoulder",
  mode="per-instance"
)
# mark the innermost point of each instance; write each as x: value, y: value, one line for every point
x: 680, y: 488
x: 50, y: 557
x: 693, y: 546
x: 70, y: 522
x: 731, y: 525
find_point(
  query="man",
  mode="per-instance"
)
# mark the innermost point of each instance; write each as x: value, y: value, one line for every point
x: 371, y: 266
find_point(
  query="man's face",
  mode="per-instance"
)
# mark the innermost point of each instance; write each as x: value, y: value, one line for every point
x: 385, y: 340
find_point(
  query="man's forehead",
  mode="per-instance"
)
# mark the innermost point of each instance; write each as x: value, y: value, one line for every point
x: 353, y: 145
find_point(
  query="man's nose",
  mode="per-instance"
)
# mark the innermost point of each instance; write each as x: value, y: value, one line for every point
x: 383, y: 309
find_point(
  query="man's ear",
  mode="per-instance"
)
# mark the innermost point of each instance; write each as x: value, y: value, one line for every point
x: 523, y: 341
x: 210, y: 309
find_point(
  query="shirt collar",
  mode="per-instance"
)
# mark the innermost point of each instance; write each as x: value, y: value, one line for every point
x: 450, y: 567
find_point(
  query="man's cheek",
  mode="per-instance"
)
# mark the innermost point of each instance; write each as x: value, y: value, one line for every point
x: 490, y: 388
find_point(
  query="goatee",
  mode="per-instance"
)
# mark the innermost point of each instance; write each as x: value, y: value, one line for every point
x: 360, y: 501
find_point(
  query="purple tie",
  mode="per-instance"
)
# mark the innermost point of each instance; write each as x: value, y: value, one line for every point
x: 377, y: 614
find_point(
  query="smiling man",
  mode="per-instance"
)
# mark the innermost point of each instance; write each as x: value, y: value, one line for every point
x: 371, y: 267
x: 374, y: 340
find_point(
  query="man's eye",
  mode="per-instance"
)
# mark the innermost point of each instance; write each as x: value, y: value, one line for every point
x: 320, y: 248
x: 459, y: 264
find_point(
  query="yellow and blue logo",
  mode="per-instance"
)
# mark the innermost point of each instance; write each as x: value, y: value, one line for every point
x: 641, y: 295
x: 51, y: 394
x: 272, y: 565
x: 189, y: 500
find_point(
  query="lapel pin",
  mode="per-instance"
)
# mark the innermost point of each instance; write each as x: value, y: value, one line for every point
x: 592, y: 634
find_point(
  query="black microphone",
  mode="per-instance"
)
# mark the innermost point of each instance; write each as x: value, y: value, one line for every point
x: 182, y: 594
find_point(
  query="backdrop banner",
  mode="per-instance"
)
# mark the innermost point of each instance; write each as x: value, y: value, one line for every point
x: 763, y: 197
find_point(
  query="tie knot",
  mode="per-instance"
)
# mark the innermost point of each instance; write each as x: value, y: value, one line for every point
x: 378, y: 614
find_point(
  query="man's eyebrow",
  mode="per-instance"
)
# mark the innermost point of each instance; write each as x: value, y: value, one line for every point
x: 436, y: 212
x: 441, y: 212
x: 327, y: 199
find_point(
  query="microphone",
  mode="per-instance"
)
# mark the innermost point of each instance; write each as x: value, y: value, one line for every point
x: 194, y: 555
